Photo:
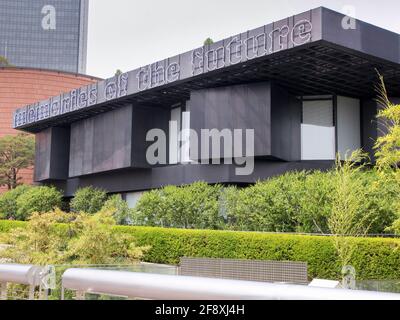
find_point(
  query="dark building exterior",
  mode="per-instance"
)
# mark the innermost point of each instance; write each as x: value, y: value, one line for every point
x: 304, y: 85
x: 45, y: 34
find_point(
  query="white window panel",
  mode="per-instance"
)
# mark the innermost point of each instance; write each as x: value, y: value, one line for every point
x: 317, y: 142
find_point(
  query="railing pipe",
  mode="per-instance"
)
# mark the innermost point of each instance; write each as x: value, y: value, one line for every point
x: 20, y: 274
x: 167, y: 287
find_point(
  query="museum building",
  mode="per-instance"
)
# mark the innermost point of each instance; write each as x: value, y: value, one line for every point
x: 304, y: 85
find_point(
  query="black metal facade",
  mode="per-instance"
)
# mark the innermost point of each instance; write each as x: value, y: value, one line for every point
x: 252, y: 80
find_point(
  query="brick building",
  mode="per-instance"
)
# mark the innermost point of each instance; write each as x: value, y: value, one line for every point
x: 20, y: 86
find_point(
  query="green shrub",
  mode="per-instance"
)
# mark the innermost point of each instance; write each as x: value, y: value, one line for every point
x: 8, y: 202
x: 314, y: 202
x: 294, y: 202
x: 38, y: 199
x: 62, y: 238
x: 89, y: 200
x: 379, y: 201
x: 193, y: 206
x: 122, y: 212
x: 7, y: 225
x: 374, y: 258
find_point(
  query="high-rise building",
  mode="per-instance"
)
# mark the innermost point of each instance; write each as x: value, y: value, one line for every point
x: 45, y: 34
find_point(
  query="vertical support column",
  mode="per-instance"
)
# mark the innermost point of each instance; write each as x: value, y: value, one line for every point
x: 3, y: 291
x: 80, y: 295
x: 31, y: 292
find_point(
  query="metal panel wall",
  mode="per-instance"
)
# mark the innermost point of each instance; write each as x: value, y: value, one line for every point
x: 42, y: 158
x: 234, y: 107
x: 286, y: 125
x: 52, y: 154
x: 271, y: 111
x: 101, y: 143
x: 365, y: 37
x: 145, y: 119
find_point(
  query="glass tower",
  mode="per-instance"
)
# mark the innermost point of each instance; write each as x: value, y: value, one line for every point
x: 46, y: 34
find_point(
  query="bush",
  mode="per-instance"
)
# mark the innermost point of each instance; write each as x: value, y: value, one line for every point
x: 61, y: 238
x: 294, y: 202
x: 89, y: 200
x: 380, y: 201
x: 269, y: 206
x: 95, y: 241
x: 315, y: 203
x: 373, y: 258
x: 193, y: 206
x: 8, y: 202
x: 121, y: 211
x: 38, y: 199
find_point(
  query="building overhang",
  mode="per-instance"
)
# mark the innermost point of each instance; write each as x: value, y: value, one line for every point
x: 312, y: 53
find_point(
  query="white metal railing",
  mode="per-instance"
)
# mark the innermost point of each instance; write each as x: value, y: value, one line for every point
x: 168, y: 287
x: 29, y: 275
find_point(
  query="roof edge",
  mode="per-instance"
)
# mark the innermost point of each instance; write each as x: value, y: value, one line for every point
x: 51, y: 71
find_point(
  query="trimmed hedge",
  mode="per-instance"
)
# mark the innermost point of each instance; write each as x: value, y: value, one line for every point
x: 374, y: 258
x: 7, y: 225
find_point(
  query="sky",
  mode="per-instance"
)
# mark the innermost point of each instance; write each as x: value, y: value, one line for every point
x: 127, y: 34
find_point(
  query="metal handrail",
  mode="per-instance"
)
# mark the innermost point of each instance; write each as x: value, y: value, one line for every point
x: 20, y: 274
x: 167, y: 287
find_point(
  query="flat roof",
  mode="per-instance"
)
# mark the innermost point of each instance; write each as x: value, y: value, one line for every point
x: 312, y: 53
x: 80, y: 75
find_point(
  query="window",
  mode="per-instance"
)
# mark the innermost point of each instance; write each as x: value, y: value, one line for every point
x: 318, y: 130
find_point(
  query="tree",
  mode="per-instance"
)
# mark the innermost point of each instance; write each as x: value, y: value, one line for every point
x: 208, y: 41
x: 16, y: 153
x: 388, y: 145
x: 118, y: 72
x: 348, y: 196
x: 4, y: 62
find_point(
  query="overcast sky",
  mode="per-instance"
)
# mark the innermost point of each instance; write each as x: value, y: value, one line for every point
x: 126, y: 34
